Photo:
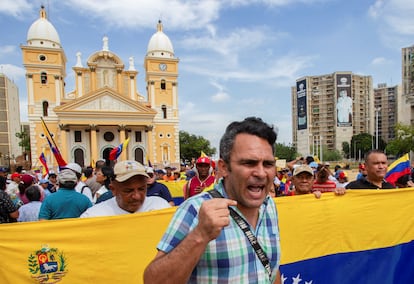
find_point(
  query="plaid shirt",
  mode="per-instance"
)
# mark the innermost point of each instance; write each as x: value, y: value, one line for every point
x: 230, y: 258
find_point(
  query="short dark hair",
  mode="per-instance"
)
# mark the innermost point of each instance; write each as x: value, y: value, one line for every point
x: 3, y: 183
x: 88, y: 171
x: 68, y: 184
x: 250, y: 125
x: 374, y: 151
x: 33, y: 193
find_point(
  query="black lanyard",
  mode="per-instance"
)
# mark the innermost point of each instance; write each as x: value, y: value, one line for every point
x: 249, y: 234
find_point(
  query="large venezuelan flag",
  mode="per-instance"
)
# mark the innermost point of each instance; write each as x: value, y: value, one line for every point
x: 365, y: 236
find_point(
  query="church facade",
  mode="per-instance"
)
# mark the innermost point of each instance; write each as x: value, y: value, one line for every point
x: 105, y: 107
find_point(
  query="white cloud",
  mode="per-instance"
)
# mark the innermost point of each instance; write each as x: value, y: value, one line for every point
x: 380, y: 61
x: 6, y: 50
x: 135, y: 14
x: 221, y: 95
x: 12, y: 72
x: 15, y: 8
x: 395, y: 17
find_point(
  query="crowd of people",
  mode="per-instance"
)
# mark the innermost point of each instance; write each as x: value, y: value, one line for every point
x: 227, y: 227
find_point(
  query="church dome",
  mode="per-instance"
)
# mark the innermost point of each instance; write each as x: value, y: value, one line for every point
x: 42, y: 33
x: 160, y: 45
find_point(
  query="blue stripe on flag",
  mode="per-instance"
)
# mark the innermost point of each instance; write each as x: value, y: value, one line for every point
x: 390, y: 265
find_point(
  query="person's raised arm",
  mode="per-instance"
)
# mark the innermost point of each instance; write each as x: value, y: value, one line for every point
x: 213, y: 216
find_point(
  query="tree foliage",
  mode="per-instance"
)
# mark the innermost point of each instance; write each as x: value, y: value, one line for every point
x: 331, y: 155
x: 346, y: 149
x: 403, y: 142
x: 191, y: 146
x: 287, y: 152
x: 364, y: 142
x: 24, y: 141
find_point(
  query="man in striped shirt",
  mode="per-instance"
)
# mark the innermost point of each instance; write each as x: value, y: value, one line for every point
x: 203, y: 243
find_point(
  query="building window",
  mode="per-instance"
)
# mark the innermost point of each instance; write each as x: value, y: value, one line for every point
x: 162, y: 84
x: 42, y: 57
x: 78, y: 136
x: 79, y: 157
x: 139, y: 155
x: 164, y: 111
x: 43, y: 78
x: 138, y: 136
x: 109, y: 136
x: 45, y: 106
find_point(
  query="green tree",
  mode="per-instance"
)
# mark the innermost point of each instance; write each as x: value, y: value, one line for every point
x: 331, y: 155
x: 24, y: 141
x: 192, y: 145
x: 364, y: 142
x: 346, y: 149
x: 287, y: 152
x: 403, y: 142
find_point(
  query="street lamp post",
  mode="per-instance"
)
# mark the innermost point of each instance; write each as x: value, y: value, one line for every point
x: 377, y: 110
x: 321, y: 152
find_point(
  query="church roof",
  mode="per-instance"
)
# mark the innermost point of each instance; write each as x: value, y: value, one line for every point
x: 42, y: 33
x: 160, y: 44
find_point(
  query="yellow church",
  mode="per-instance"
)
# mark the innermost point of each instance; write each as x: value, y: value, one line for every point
x: 105, y: 107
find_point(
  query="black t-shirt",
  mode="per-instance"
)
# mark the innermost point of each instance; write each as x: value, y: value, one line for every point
x: 363, y: 183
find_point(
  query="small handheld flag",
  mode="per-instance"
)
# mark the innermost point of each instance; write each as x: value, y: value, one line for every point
x: 116, y: 152
x: 398, y: 168
x: 53, y: 147
x: 42, y: 160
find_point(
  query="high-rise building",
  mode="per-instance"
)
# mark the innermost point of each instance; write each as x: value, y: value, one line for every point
x: 329, y: 109
x: 105, y: 107
x: 386, y: 107
x: 407, y: 107
x: 9, y: 121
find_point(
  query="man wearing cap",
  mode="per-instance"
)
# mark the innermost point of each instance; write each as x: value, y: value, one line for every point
x: 13, y: 189
x: 157, y: 189
x: 303, y: 179
x: 203, y: 178
x: 3, y: 172
x: 66, y: 202
x: 169, y: 176
x: 81, y: 187
x: 44, y: 183
x: 129, y: 188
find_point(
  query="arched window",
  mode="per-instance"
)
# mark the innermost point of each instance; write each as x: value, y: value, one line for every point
x: 162, y: 84
x: 43, y: 78
x: 164, y: 111
x: 45, y: 106
x: 139, y: 155
x: 79, y: 157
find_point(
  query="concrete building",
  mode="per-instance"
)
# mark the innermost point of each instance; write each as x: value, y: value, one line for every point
x: 407, y: 108
x: 387, y: 103
x: 105, y: 107
x: 329, y: 109
x: 9, y: 121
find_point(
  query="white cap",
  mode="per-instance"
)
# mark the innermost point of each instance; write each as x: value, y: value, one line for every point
x: 74, y: 167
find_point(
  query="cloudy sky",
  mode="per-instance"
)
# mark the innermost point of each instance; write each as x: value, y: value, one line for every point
x: 238, y: 58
